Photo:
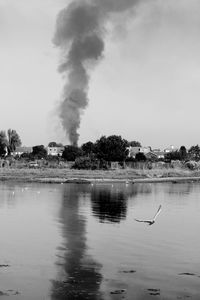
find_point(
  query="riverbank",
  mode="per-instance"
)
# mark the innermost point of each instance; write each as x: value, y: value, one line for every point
x: 49, y: 175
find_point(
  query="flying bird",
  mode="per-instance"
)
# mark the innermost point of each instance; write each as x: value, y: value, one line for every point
x: 151, y: 222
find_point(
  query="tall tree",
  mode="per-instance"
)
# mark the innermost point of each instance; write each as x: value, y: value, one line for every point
x: 13, y: 140
x: 71, y: 152
x: 134, y: 144
x: 3, y: 143
x: 39, y: 152
x: 183, y: 153
x: 194, y: 152
x: 112, y: 148
x: 88, y: 148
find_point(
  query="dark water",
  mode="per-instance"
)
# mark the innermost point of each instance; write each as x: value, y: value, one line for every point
x: 79, y: 241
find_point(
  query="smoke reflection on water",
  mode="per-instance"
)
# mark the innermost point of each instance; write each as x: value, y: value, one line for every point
x: 84, y: 237
x: 104, y: 250
x: 79, y: 274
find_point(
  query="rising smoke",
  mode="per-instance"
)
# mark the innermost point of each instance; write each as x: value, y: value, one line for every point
x: 80, y: 32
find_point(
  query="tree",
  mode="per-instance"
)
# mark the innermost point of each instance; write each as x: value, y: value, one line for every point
x: 112, y: 148
x: 134, y: 144
x: 140, y: 156
x: 10, y: 142
x: 39, y: 152
x: 194, y: 152
x: 71, y: 152
x: 13, y: 140
x: 86, y: 162
x: 3, y: 143
x: 183, y: 153
x: 88, y: 148
x: 174, y: 155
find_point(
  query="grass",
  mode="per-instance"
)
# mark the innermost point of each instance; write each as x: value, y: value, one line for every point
x: 25, y: 174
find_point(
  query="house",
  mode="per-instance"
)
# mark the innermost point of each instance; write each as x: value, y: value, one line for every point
x: 134, y: 150
x: 55, y: 151
x: 145, y: 150
x: 159, y: 154
x: 20, y: 150
x: 170, y: 149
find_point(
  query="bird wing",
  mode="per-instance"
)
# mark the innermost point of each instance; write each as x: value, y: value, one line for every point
x: 157, y: 213
x: 144, y: 221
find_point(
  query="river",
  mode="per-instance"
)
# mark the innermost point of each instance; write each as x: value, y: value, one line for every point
x: 81, y: 241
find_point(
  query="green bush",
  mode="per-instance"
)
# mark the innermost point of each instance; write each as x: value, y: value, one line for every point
x: 86, y: 163
x: 89, y: 163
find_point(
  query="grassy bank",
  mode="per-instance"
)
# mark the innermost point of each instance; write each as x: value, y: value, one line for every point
x: 68, y: 175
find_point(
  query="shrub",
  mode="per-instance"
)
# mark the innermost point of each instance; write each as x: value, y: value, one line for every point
x: 89, y: 163
x: 85, y: 162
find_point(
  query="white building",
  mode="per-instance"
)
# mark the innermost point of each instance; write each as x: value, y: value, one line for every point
x: 55, y: 151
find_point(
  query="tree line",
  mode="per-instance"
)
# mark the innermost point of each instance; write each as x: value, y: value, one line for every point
x: 9, y: 141
x: 92, y: 155
x: 107, y: 149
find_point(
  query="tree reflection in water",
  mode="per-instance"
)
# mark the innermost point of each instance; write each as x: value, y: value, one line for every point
x: 79, y: 275
x: 109, y: 202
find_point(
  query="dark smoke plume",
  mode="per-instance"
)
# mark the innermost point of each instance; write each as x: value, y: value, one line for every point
x: 80, y: 36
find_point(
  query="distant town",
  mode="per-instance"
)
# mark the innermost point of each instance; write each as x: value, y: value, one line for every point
x: 107, y: 152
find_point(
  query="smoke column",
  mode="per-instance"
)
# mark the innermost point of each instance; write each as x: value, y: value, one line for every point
x: 79, y: 34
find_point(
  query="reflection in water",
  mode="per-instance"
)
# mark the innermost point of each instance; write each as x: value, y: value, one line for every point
x: 109, y: 202
x: 79, y: 276
x: 97, y: 259
x: 179, y: 188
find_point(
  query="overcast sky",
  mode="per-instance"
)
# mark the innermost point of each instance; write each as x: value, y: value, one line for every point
x: 146, y: 87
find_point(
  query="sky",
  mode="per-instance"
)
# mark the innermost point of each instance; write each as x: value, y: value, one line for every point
x: 145, y: 88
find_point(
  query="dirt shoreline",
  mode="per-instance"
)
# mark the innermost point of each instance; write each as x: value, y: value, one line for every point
x: 129, y: 176
x: 98, y: 180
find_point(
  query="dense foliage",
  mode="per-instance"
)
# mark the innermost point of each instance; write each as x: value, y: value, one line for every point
x: 140, y: 157
x: 183, y: 153
x: 134, y: 144
x: 39, y: 152
x: 9, y: 142
x: 194, y: 153
x: 71, y: 152
x: 90, y: 162
x: 13, y: 140
x: 88, y: 148
x: 3, y: 143
x: 112, y: 148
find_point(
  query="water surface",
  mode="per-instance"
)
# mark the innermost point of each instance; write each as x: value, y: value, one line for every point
x: 80, y: 241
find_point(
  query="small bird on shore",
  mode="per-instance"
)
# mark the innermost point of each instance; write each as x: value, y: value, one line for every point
x: 151, y: 222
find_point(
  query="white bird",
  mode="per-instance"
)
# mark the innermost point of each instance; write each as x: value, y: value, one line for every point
x: 151, y: 222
